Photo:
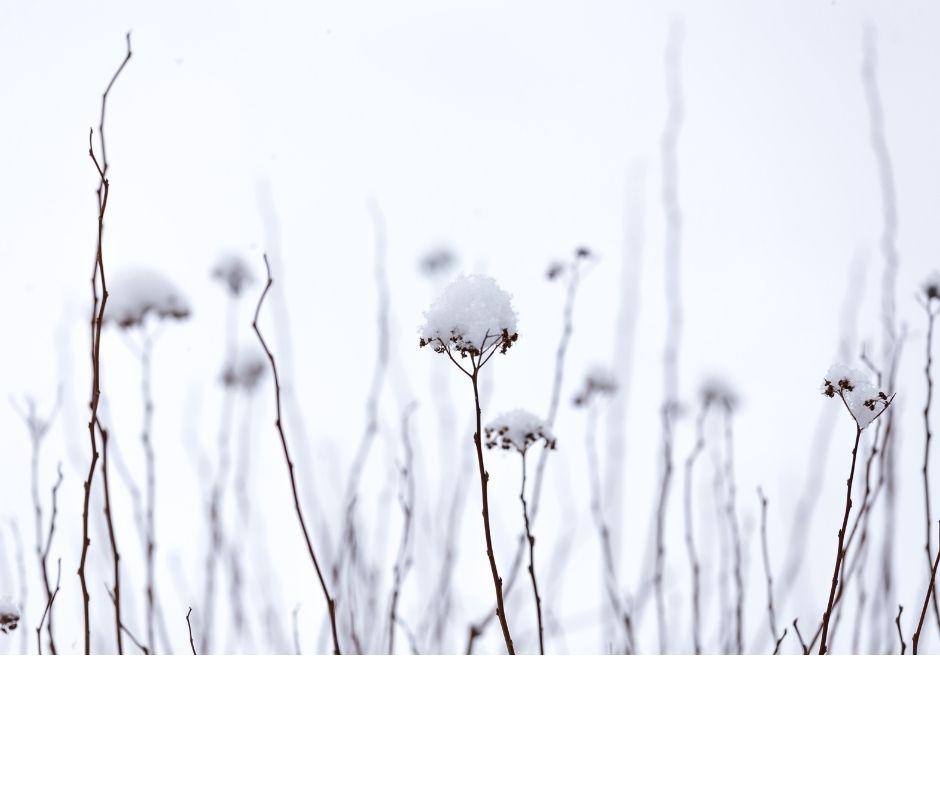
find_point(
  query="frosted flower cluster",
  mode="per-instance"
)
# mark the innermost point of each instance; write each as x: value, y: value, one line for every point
x: 932, y: 286
x: 518, y: 430
x: 9, y: 614
x: 134, y: 294
x: 245, y: 371
x: 862, y: 398
x: 472, y: 315
x: 599, y: 381
x: 233, y: 272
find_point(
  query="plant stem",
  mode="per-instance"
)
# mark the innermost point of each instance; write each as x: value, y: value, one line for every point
x: 484, y: 481
x: 840, y: 553
x: 531, y: 539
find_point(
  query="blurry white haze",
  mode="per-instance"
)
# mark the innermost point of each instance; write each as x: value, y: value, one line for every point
x: 718, y: 200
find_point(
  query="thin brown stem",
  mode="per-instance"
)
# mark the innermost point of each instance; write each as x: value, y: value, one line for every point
x: 531, y: 540
x: 97, y: 322
x: 189, y: 626
x: 484, y: 482
x: 915, y: 641
x: 897, y: 623
x: 48, y: 610
x: 840, y: 551
x: 330, y: 602
x: 115, y: 555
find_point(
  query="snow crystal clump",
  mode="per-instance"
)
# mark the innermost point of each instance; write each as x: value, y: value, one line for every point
x: 862, y: 398
x: 599, y: 381
x: 471, y: 316
x: 932, y: 286
x: 134, y: 294
x: 9, y: 614
x: 245, y: 371
x: 518, y: 430
x: 233, y: 272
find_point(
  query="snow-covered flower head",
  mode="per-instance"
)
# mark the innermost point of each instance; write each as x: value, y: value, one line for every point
x: 864, y: 401
x: 931, y: 286
x: 472, y: 315
x: 599, y: 381
x: 9, y: 614
x: 716, y: 391
x: 136, y: 293
x: 234, y: 273
x: 437, y: 262
x: 245, y: 371
x: 517, y: 430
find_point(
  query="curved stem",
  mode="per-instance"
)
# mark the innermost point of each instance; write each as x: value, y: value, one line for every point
x: 484, y: 481
x: 840, y: 552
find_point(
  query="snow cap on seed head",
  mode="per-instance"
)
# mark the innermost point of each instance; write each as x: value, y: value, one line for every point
x: 471, y: 315
x: 135, y: 293
x: 862, y: 398
x: 517, y: 430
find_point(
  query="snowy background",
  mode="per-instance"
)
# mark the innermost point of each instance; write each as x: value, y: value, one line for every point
x: 510, y: 134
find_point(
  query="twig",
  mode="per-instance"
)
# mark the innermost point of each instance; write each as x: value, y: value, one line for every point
x: 330, y: 603
x: 115, y: 555
x: 531, y: 540
x: 771, y: 614
x: 126, y: 631
x: 406, y: 500
x: 97, y: 322
x: 731, y: 509
x: 44, y: 557
x: 694, y: 565
x: 803, y: 645
x: 189, y: 626
x: 840, y: 552
x: 48, y: 610
x: 779, y: 641
x: 915, y: 641
x: 897, y: 623
x: 931, y: 316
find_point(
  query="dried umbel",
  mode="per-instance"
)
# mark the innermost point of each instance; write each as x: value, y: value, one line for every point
x: 518, y: 430
x: 245, y: 372
x: 437, y: 262
x: 863, y: 400
x: 136, y: 293
x: 931, y: 287
x: 716, y: 391
x: 9, y: 615
x: 233, y: 272
x: 471, y: 317
x: 599, y: 381
x: 557, y: 268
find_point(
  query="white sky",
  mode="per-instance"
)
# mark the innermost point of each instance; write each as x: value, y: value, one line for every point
x: 512, y: 133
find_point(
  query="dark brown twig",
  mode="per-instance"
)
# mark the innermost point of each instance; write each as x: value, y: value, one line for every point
x: 115, y: 555
x: 531, y: 540
x: 330, y: 603
x: 803, y: 645
x: 97, y: 322
x: 840, y: 552
x: 897, y: 623
x: 48, y: 610
x: 915, y: 641
x: 189, y: 626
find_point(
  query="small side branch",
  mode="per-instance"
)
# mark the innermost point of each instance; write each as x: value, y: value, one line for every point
x: 330, y: 603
